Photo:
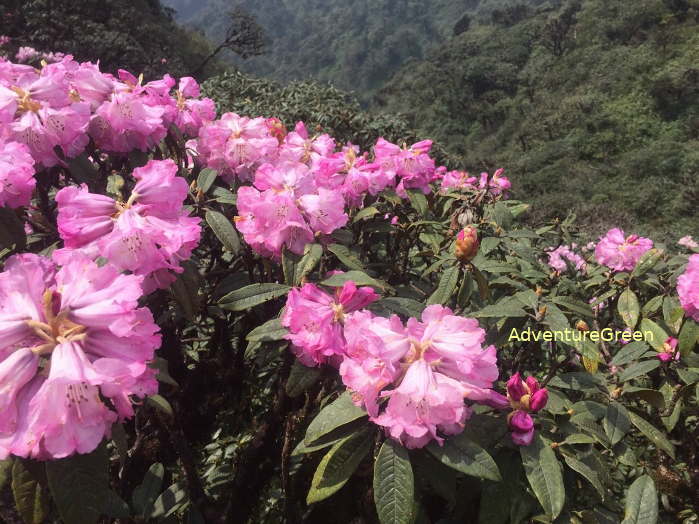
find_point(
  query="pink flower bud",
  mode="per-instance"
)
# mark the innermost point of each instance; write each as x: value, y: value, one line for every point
x: 515, y: 388
x: 467, y: 244
x: 538, y: 400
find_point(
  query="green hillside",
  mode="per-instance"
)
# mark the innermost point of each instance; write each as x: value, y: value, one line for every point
x: 354, y: 45
x: 593, y: 106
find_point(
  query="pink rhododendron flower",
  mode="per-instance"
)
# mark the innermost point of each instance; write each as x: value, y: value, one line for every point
x: 433, y: 365
x: 458, y: 180
x: 596, y: 308
x: 236, y: 146
x: 412, y: 165
x: 150, y: 234
x: 688, y: 242
x: 561, y: 254
x: 16, y: 174
x: 496, y: 185
x: 298, y: 147
x: 688, y: 288
x: 69, y: 337
x: 621, y: 253
x: 669, y: 350
x: 315, y: 318
x: 525, y: 396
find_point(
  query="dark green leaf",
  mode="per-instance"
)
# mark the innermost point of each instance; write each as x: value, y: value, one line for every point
x: 224, y: 231
x: 394, y: 489
x: 145, y: 493
x: 206, y: 178
x: 641, y: 502
x: 638, y: 369
x: 544, y: 474
x: 652, y: 433
x: 78, y: 485
x: 301, y: 378
x: 11, y: 230
x: 358, y: 277
x: 616, y: 422
x: 31, y: 501
x: 336, y: 414
x: 446, y: 287
x: 628, y: 308
x: 338, y: 465
x: 464, y: 455
x: 586, y: 472
x: 168, y: 501
x: 345, y: 255
x: 252, y: 295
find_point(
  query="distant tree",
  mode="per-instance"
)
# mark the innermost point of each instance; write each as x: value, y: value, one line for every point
x: 555, y: 35
x: 139, y: 35
x: 510, y: 15
x: 244, y: 37
x: 462, y: 25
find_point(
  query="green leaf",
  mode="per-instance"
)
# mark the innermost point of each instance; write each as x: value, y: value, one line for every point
x: 206, y: 178
x: 366, y: 212
x: 630, y: 352
x: 688, y: 337
x: 168, y: 501
x: 5, y: 472
x: 506, y: 310
x: 638, y: 369
x: 418, y: 201
x: 78, y: 485
x: 338, y: 413
x: 185, y: 289
x: 628, y: 308
x: 445, y: 288
x: 224, y: 231
x: 147, y: 492
x: 652, y: 305
x: 544, y: 474
x: 358, y: 277
x: 652, y: 433
x: 301, y: 378
x: 270, y: 331
x: 576, y: 306
x: 296, y: 267
x: 616, y: 422
x: 253, y: 295
x: 647, y: 262
x: 394, y: 488
x: 338, y: 465
x: 578, y: 380
x: 586, y: 472
x: 464, y: 455
x: 641, y: 502
x: 11, y: 230
x: 651, y: 396
x: 31, y: 501
x: 345, y: 255
x: 659, y: 336
x: 160, y: 403
x: 224, y: 196
x: 407, y: 307
x: 163, y: 375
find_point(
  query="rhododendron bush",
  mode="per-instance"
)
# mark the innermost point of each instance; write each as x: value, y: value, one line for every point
x: 231, y: 318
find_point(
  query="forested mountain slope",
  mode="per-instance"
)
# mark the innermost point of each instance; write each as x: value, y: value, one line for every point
x: 355, y: 45
x: 593, y: 106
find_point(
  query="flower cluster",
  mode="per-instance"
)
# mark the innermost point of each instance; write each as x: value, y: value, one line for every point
x: 315, y: 319
x: 560, y: 257
x: 69, y: 338
x: 301, y: 185
x: 668, y: 351
x: 525, y: 396
x: 497, y: 185
x: 619, y: 252
x: 64, y: 104
x: 688, y: 288
x: 425, y: 368
x: 149, y: 234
